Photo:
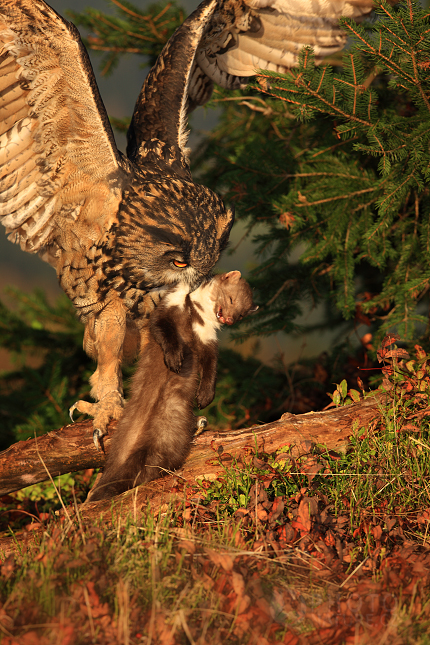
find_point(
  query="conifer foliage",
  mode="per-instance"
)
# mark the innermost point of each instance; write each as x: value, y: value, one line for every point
x: 130, y: 31
x: 335, y: 161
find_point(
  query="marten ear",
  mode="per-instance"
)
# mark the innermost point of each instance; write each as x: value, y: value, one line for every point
x: 253, y: 309
x: 231, y: 276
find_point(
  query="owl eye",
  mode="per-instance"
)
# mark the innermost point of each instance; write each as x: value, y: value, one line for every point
x: 180, y: 265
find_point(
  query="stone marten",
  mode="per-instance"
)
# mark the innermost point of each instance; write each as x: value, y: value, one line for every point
x: 156, y: 429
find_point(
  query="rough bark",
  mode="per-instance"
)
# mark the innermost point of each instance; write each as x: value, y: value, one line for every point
x: 71, y: 448
x: 66, y: 450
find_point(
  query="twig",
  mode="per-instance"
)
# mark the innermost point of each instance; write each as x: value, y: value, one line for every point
x: 52, y: 481
x: 352, y: 573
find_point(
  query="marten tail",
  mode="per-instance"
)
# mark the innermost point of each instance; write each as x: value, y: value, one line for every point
x: 141, y: 467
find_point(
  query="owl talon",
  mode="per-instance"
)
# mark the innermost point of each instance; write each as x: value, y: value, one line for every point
x: 71, y: 411
x: 201, y: 426
x: 109, y: 407
x: 97, y: 435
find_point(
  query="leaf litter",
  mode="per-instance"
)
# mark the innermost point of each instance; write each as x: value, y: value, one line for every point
x: 301, y: 546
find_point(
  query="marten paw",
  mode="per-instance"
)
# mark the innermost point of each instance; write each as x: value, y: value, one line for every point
x: 109, y: 407
x: 174, y: 360
x: 204, y: 397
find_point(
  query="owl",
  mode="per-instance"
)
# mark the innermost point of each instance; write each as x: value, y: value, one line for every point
x: 118, y: 229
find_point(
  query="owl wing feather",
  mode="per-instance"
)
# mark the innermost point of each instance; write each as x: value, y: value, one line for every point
x: 58, y: 160
x: 244, y: 36
x: 158, y: 127
x: 225, y: 42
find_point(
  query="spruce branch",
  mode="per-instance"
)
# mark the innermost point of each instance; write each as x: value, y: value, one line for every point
x: 328, y: 107
x: 335, y: 198
x: 354, y: 194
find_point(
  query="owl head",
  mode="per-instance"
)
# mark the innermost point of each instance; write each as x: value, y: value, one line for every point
x: 171, y: 230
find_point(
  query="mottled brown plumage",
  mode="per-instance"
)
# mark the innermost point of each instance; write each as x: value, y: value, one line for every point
x: 247, y: 35
x: 117, y: 230
x: 120, y: 230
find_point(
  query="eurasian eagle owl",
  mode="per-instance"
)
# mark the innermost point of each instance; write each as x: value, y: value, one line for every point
x: 121, y: 229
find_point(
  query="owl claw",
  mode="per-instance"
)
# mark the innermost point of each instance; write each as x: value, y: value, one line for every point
x: 71, y: 411
x: 97, y: 435
x: 201, y: 426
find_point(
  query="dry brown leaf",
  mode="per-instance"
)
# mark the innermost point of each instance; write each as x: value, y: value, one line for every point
x: 303, y: 517
x: 223, y: 560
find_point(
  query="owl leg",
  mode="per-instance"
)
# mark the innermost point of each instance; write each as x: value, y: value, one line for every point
x: 108, y: 332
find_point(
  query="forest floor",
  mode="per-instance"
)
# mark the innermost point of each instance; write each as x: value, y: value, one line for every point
x: 318, y: 549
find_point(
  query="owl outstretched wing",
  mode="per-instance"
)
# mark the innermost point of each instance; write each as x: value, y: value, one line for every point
x: 158, y: 129
x: 247, y: 35
x: 60, y: 170
x: 227, y: 42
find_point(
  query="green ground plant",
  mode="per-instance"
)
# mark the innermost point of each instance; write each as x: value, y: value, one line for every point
x: 387, y: 464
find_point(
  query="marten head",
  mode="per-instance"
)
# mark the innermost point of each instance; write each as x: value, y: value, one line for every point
x: 233, y: 297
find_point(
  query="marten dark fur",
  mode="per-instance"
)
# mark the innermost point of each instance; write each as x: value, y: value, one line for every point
x: 157, y: 426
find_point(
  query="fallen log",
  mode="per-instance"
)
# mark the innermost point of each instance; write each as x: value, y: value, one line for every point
x: 71, y: 448
x: 331, y: 428
x: 61, y: 451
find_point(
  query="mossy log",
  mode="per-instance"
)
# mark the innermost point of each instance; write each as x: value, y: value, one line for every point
x: 71, y: 448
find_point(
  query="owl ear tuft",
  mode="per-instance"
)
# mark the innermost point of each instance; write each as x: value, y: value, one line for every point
x: 224, y: 224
